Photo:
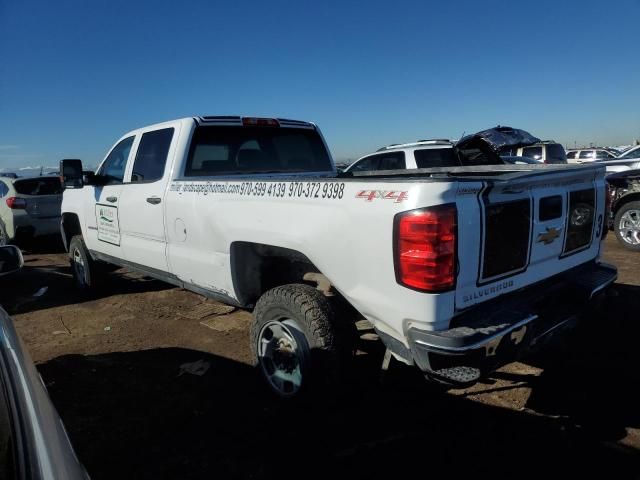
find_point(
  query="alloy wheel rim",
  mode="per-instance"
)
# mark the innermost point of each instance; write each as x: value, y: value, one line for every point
x: 78, y: 265
x: 283, y: 354
x: 629, y: 227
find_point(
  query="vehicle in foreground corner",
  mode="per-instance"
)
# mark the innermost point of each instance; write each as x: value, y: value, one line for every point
x: 33, y: 442
x: 472, y: 261
x: 29, y: 207
x: 624, y: 216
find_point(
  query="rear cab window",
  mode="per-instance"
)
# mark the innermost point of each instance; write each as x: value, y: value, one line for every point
x: 38, y: 186
x: 228, y: 150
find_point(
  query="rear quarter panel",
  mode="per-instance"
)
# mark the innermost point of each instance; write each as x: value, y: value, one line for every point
x: 349, y: 237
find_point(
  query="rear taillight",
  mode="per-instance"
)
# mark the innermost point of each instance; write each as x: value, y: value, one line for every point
x: 16, y: 203
x: 425, y: 248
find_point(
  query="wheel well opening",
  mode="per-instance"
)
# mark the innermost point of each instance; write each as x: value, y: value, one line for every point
x: 70, y: 228
x: 256, y: 268
x: 624, y: 199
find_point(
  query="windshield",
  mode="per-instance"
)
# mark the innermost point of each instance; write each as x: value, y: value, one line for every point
x: 633, y: 153
x: 236, y: 150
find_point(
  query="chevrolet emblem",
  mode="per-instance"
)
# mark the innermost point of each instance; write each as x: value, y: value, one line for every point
x: 549, y: 236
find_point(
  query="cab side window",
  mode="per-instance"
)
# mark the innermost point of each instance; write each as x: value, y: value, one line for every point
x: 114, y: 165
x: 392, y: 161
x: 151, y: 157
x: 366, y: 164
x: 4, y: 189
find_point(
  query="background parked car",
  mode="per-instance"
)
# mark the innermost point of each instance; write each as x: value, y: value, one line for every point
x: 624, y: 215
x: 482, y: 148
x: 421, y: 154
x: 547, y: 151
x: 29, y: 207
x: 589, y: 155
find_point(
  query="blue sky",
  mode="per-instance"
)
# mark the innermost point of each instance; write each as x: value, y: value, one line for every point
x: 75, y: 75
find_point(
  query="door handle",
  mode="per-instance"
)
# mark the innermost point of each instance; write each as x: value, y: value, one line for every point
x: 154, y: 200
x: 112, y: 199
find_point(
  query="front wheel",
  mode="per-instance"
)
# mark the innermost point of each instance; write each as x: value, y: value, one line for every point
x: 627, y: 226
x: 296, y: 342
x: 86, y: 273
x: 4, y: 237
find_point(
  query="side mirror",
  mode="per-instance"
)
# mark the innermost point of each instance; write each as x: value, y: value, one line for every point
x: 88, y: 177
x: 71, y: 172
x: 10, y: 259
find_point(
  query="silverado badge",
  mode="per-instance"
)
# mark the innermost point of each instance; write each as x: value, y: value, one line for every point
x: 549, y: 236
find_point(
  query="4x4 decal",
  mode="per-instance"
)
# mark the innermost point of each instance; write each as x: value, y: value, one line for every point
x: 371, y: 195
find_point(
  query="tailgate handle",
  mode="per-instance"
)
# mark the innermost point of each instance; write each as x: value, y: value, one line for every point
x: 154, y: 200
x: 112, y: 199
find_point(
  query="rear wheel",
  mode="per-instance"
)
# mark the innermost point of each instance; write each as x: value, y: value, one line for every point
x: 296, y: 343
x: 86, y: 272
x: 627, y: 226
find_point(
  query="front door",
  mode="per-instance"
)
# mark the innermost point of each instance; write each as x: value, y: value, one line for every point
x: 103, y: 202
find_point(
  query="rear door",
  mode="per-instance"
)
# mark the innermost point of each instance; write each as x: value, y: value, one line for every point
x: 141, y: 204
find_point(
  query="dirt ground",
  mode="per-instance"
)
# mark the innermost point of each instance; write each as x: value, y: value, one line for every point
x: 154, y: 382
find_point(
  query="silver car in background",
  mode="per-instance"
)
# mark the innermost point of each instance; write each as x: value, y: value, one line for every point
x: 29, y: 207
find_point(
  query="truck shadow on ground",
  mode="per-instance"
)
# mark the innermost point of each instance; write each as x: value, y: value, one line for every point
x: 134, y: 415
x: 42, y: 245
x: 40, y: 287
x: 590, y: 379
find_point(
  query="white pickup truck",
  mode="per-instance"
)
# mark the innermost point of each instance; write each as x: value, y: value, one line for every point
x: 458, y: 269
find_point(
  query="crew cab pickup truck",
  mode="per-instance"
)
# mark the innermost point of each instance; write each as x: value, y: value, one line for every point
x: 458, y: 269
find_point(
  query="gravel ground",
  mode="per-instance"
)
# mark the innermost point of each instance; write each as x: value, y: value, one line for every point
x: 153, y: 381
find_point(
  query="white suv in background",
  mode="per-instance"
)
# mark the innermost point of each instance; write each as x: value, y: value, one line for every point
x: 589, y: 155
x: 420, y: 154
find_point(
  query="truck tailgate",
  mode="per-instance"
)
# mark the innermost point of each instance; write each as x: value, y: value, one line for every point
x: 528, y: 228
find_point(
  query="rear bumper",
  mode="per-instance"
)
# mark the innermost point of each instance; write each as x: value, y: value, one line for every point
x: 33, y: 226
x: 499, y: 332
